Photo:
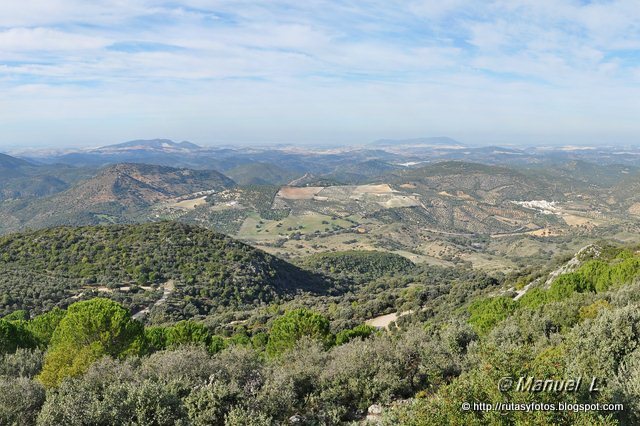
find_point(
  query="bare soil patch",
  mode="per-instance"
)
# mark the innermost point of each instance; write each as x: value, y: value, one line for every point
x: 293, y: 193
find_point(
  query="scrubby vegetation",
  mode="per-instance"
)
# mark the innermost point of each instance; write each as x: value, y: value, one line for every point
x: 188, y: 376
x: 159, y: 375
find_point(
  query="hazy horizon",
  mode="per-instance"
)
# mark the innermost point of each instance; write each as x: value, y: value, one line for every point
x: 25, y: 150
x: 517, y: 73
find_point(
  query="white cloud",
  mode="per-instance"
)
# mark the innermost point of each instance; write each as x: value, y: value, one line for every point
x: 273, y: 69
x: 46, y: 39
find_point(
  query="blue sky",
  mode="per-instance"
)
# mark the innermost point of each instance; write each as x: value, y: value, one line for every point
x: 80, y: 73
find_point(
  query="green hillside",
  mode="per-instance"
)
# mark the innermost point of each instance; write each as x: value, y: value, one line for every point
x: 209, y: 269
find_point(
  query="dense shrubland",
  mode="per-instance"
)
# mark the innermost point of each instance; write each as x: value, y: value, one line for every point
x: 586, y: 325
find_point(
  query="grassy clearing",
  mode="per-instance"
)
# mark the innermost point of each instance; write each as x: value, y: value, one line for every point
x: 256, y: 228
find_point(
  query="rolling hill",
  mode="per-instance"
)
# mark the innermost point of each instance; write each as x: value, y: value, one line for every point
x: 363, y: 172
x: 487, y: 183
x: 582, y: 175
x: 143, y: 184
x: 261, y: 174
x: 58, y: 266
x: 626, y: 193
x: 10, y: 166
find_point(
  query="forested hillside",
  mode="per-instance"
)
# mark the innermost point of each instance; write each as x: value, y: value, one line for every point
x: 54, y: 267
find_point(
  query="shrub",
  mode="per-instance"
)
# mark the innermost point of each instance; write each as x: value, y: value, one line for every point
x: 20, y: 401
x: 486, y: 313
x: 362, y: 331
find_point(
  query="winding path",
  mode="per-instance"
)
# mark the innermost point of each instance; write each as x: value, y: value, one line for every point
x: 169, y: 286
x: 383, y: 321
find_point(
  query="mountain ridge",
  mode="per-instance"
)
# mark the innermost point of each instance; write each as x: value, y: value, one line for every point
x: 117, y: 194
x: 151, y: 144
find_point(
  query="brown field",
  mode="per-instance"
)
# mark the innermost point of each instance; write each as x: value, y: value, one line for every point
x: 293, y: 193
x: 189, y: 204
x: 573, y: 220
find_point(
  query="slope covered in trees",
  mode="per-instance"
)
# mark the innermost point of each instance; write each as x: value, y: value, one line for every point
x: 51, y: 267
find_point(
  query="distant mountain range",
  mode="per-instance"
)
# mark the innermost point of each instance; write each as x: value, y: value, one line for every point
x: 163, y: 145
x: 438, y: 181
x: 278, y: 164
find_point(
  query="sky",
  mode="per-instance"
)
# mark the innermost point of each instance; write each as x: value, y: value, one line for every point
x: 90, y: 73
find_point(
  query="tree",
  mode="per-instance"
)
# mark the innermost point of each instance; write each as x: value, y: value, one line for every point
x: 486, y: 313
x: 14, y: 335
x: 90, y: 330
x: 20, y: 314
x: 361, y: 331
x: 187, y: 332
x: 293, y: 325
x: 155, y: 338
x: 43, y: 326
